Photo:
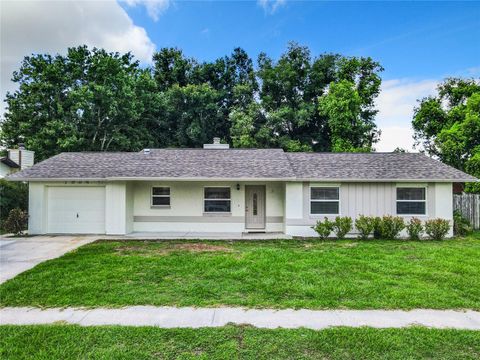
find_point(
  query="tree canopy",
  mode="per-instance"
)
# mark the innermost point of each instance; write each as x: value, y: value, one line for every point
x: 448, y: 125
x: 93, y: 100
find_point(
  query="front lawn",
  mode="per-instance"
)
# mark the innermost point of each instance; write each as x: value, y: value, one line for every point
x: 74, y: 342
x: 349, y: 274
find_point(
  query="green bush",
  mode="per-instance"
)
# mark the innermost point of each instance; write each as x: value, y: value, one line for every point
x: 437, y: 229
x: 461, y: 225
x: 391, y: 226
x: 12, y: 195
x: 342, y: 226
x: 365, y: 226
x: 414, y: 229
x: 16, y: 221
x: 377, y: 227
x: 323, y: 228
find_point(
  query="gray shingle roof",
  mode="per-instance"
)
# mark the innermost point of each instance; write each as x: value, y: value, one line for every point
x: 373, y: 167
x: 241, y: 164
x: 165, y: 163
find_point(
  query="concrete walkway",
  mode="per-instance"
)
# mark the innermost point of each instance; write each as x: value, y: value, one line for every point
x: 20, y: 254
x: 172, y: 317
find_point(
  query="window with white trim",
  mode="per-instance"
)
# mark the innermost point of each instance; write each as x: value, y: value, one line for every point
x: 411, y: 200
x: 217, y: 200
x: 324, y: 200
x: 160, y: 196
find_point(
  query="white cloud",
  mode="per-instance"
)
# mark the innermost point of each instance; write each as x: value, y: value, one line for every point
x: 51, y: 26
x: 270, y: 6
x: 396, y: 103
x: 155, y: 8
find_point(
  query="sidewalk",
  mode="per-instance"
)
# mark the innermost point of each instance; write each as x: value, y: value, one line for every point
x: 172, y: 317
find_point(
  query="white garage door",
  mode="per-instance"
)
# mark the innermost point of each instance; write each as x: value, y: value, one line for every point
x: 76, y: 210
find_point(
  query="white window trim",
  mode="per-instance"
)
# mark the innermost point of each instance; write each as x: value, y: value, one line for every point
x: 401, y: 186
x: 165, y: 196
x: 316, y: 200
x: 217, y: 212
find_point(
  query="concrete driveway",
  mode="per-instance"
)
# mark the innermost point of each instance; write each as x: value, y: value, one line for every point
x: 20, y: 254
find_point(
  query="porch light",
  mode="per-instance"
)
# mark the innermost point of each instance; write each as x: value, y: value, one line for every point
x: 238, y: 186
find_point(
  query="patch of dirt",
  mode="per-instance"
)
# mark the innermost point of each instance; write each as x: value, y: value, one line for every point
x: 190, y: 247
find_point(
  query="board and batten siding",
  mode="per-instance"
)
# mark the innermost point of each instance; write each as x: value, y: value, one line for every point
x: 370, y: 199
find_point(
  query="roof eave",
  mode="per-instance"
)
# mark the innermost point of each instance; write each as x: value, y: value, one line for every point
x: 289, y: 179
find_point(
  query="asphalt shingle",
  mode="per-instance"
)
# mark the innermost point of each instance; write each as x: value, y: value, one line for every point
x: 241, y: 164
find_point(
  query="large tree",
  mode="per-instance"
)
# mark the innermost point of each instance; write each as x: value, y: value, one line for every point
x: 448, y: 125
x: 85, y: 100
x: 95, y: 100
x: 302, y: 103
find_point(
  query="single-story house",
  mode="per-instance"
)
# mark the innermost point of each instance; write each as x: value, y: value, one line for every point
x: 217, y: 189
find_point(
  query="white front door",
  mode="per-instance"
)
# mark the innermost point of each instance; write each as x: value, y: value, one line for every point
x: 76, y: 210
x: 255, y: 207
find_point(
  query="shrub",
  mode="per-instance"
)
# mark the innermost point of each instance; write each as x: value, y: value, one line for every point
x: 12, y: 195
x: 323, y: 228
x: 377, y: 227
x: 437, y: 229
x: 342, y: 226
x: 365, y: 226
x: 16, y: 221
x: 391, y: 226
x: 461, y: 225
x: 414, y: 229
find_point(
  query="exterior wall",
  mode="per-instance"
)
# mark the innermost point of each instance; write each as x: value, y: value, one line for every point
x: 185, y: 212
x: 371, y: 199
x: 4, y: 170
x: 115, y: 208
x: 37, y: 202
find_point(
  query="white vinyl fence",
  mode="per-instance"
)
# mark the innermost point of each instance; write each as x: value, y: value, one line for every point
x: 469, y: 206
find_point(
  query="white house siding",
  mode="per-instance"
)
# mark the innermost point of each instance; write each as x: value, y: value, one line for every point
x: 372, y: 199
x: 186, y: 208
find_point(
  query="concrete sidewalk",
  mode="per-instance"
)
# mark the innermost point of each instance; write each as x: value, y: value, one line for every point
x: 172, y: 317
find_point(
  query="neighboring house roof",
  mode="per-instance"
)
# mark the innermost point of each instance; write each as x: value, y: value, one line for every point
x: 241, y: 164
x: 9, y: 162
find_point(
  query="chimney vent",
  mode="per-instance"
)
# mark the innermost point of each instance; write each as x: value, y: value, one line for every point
x: 216, y: 144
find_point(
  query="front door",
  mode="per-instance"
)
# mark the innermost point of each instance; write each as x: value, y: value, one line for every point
x: 255, y: 207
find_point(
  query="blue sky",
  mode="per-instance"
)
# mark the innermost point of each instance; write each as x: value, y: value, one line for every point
x: 418, y: 43
x: 410, y: 39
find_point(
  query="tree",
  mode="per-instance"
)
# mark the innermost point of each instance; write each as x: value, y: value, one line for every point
x: 448, y: 125
x: 86, y: 100
x: 342, y: 106
x: 93, y: 100
x: 299, y: 111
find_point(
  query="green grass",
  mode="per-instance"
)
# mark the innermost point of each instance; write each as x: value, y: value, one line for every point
x: 73, y: 342
x: 275, y: 274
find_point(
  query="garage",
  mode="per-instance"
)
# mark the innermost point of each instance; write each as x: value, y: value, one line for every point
x: 76, y: 209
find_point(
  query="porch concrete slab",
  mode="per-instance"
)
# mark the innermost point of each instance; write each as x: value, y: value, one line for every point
x: 200, y: 236
x: 172, y: 317
x: 20, y: 254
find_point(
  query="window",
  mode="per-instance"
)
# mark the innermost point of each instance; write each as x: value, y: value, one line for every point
x: 160, y: 196
x: 411, y: 201
x: 217, y: 199
x: 324, y: 200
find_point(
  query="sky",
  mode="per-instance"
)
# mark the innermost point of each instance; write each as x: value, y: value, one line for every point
x: 418, y: 43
